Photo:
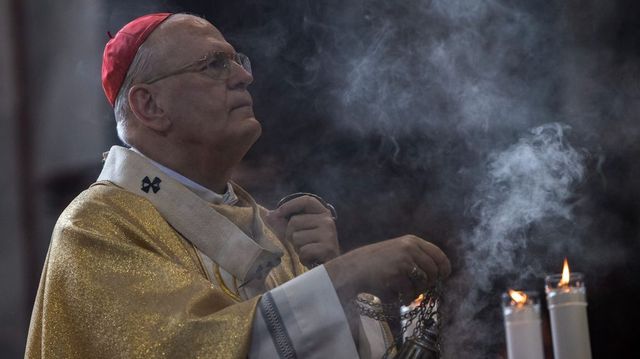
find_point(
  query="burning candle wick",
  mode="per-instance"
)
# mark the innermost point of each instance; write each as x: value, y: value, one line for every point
x: 518, y: 298
x: 566, y: 275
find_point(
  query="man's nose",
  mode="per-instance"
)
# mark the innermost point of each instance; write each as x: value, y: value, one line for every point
x: 240, y: 77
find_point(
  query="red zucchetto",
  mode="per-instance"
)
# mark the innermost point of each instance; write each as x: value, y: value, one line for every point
x: 122, y: 48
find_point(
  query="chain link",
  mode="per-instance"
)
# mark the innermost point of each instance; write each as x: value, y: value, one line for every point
x: 424, y: 315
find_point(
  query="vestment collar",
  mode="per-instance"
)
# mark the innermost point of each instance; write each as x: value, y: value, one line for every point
x: 229, y: 197
x: 212, y: 233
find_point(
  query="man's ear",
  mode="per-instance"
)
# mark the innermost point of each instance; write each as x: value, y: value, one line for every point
x: 142, y: 100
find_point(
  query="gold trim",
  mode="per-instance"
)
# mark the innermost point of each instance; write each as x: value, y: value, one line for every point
x: 224, y: 287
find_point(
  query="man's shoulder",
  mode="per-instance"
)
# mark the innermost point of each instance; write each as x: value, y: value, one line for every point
x: 107, y: 195
x: 104, y: 202
x: 108, y: 223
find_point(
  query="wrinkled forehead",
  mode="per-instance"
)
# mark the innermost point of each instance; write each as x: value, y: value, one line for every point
x: 186, y: 38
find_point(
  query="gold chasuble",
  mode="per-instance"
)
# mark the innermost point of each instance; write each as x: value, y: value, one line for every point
x: 133, y: 270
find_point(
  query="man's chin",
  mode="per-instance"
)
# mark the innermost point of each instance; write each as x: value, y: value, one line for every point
x: 251, y: 128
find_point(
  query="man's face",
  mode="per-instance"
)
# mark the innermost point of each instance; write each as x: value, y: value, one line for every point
x: 207, y: 114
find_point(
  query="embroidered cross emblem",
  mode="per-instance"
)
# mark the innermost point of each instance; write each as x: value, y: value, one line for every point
x: 147, y: 183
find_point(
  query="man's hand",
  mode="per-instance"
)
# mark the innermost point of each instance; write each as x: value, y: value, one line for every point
x: 307, y: 224
x: 397, y: 268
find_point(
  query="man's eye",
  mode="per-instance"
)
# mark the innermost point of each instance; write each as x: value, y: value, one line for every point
x: 218, y: 63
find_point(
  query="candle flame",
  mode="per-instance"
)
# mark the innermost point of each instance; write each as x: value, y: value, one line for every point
x: 566, y: 275
x: 520, y: 298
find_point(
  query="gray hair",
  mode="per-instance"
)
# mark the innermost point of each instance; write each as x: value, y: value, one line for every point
x: 140, y: 67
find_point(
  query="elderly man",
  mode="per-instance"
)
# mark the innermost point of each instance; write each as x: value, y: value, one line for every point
x: 164, y: 256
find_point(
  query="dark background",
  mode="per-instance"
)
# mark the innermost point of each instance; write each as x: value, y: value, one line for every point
x: 357, y: 107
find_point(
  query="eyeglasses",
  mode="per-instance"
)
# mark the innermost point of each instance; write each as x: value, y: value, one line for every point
x: 216, y: 65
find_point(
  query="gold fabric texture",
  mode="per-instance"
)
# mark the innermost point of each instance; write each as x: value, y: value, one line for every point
x: 120, y: 282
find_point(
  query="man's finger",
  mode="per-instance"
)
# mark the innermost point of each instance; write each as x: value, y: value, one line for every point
x: 301, y: 222
x: 314, y: 253
x: 275, y: 218
x: 438, y: 256
x: 427, y: 265
x: 304, y: 222
x: 277, y: 223
x: 304, y: 205
x: 302, y: 238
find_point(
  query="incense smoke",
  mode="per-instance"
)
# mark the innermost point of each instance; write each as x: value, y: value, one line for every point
x: 530, y: 183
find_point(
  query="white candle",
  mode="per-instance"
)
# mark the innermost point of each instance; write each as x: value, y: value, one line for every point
x: 522, y: 325
x: 567, y: 301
